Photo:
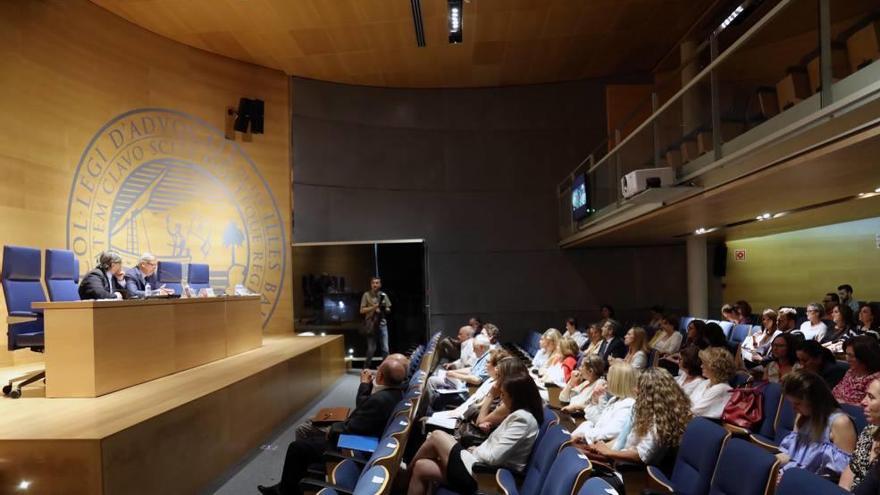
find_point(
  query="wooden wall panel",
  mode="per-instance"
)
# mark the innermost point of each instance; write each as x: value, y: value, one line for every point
x: 799, y: 267
x: 68, y: 69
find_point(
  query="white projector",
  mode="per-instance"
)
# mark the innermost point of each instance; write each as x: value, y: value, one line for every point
x: 639, y: 180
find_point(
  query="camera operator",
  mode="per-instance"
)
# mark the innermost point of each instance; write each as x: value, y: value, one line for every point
x: 375, y: 305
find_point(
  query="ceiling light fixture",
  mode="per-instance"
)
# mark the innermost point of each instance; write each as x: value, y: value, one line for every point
x: 733, y: 15
x: 702, y: 230
x: 455, y: 21
x: 764, y: 216
x: 877, y: 190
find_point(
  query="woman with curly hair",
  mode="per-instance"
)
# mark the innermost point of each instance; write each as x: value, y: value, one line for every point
x: 710, y: 396
x: 661, y: 414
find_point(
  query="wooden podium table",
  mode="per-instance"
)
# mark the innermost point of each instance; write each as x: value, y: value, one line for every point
x: 97, y: 347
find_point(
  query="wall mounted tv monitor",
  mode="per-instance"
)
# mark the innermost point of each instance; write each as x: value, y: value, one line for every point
x: 580, y: 199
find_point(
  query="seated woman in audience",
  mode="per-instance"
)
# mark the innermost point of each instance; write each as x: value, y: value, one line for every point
x: 606, y: 421
x: 743, y: 311
x: 667, y: 340
x: 637, y: 349
x: 842, y: 316
x: 867, y: 445
x: 659, y: 419
x: 482, y: 419
x: 442, y: 459
x: 729, y: 314
x: 715, y: 335
x: 863, y: 356
x: 813, y: 357
x: 868, y: 321
x: 814, y: 328
x: 571, y: 332
x: 709, y: 397
x: 560, y: 370
x: 656, y: 316
x: 473, y: 402
x: 579, y: 389
x: 756, y: 347
x: 594, y: 341
x: 783, y: 352
x: 691, y: 375
x: 695, y: 338
x: 824, y: 436
x: 549, y: 343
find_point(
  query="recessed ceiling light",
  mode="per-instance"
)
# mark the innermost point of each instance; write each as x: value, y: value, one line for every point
x: 24, y: 485
x: 868, y: 195
x: 780, y: 214
x: 702, y: 230
x: 763, y: 216
x: 877, y: 190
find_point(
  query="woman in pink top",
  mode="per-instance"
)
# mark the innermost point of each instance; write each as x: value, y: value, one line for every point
x: 863, y: 356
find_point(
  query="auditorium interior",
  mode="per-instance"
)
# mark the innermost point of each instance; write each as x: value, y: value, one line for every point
x: 378, y: 247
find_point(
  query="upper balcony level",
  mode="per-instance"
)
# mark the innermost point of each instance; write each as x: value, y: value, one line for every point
x: 769, y: 124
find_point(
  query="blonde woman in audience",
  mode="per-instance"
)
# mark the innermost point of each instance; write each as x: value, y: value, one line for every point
x: 690, y: 374
x: 814, y: 328
x: 709, y: 397
x: 668, y: 339
x: 660, y: 416
x: 783, y: 351
x: 636, y: 341
x: 606, y: 421
x: 594, y: 332
x: 579, y: 389
x: 549, y: 343
x: 559, y: 372
x: 756, y: 347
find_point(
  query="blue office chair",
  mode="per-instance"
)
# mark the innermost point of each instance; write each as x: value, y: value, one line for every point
x: 798, y: 481
x: 199, y: 276
x: 76, y: 271
x: 695, y: 463
x: 738, y: 457
x: 21, y: 286
x: 170, y: 274
x: 60, y: 274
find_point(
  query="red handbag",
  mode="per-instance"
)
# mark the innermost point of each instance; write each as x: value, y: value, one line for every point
x: 745, y: 408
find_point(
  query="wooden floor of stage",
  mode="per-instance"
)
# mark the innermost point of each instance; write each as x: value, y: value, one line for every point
x: 289, y: 370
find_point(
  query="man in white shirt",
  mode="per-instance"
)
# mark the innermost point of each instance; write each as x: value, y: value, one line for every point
x: 467, y: 357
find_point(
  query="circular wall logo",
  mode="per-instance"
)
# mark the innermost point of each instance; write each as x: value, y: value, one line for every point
x: 161, y: 181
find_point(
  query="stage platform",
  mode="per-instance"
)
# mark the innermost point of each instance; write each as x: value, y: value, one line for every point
x: 172, y: 435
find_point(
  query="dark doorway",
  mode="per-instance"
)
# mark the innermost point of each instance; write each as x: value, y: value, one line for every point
x: 332, y: 277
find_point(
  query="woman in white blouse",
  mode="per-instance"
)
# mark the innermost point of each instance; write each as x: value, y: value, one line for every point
x: 659, y: 419
x: 605, y: 422
x: 636, y: 341
x: 709, y: 398
x: 668, y: 338
x: 549, y: 345
x: 814, y: 328
x: 442, y: 459
x: 690, y: 372
x: 579, y: 389
x: 756, y: 347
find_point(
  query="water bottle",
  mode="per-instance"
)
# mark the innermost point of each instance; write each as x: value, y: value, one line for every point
x: 148, y: 291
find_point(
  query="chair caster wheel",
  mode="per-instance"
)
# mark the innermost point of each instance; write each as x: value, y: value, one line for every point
x: 7, y: 389
x: 15, y: 394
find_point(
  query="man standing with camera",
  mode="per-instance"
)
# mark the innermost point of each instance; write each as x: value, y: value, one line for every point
x: 375, y: 305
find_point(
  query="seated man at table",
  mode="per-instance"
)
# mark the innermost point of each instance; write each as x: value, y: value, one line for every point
x: 105, y: 281
x: 377, y: 395
x: 137, y: 278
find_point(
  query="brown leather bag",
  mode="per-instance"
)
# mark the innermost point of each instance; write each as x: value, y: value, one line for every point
x: 745, y: 407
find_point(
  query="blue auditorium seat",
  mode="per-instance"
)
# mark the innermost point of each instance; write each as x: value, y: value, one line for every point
x: 683, y: 324
x: 857, y: 414
x: 20, y: 278
x: 60, y: 274
x: 798, y: 481
x: 568, y: 471
x: 743, y: 469
x: 596, y: 486
x: 170, y: 274
x: 695, y: 463
x: 199, y: 276
x: 783, y: 425
x: 739, y: 333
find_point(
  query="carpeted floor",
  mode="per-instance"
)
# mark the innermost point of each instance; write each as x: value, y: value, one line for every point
x: 263, y: 466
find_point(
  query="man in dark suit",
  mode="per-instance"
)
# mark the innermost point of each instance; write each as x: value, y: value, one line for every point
x: 376, y: 398
x: 105, y: 281
x: 137, y: 278
x: 612, y: 345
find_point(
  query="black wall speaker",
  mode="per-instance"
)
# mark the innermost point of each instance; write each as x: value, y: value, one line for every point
x: 250, y: 114
x: 719, y: 268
